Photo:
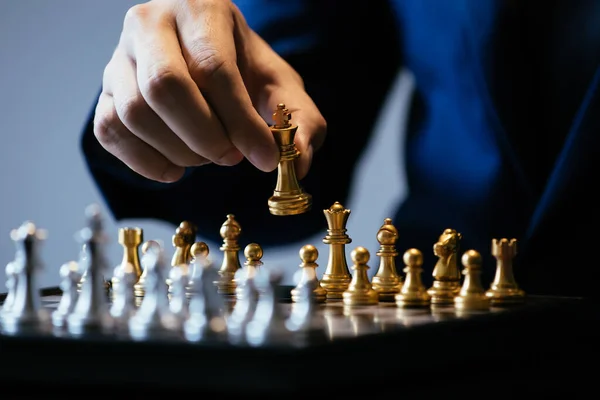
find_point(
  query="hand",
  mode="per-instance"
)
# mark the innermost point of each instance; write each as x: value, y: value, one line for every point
x: 190, y: 83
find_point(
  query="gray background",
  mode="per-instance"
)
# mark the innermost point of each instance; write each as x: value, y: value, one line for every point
x: 52, y: 54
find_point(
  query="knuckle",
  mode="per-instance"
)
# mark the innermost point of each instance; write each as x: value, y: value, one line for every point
x: 105, y: 130
x: 160, y: 82
x: 136, y: 14
x: 207, y: 60
x: 132, y: 109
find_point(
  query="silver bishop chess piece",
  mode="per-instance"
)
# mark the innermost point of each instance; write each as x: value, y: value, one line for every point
x: 69, y: 278
x: 123, y: 307
x: 25, y: 313
x: 11, y: 285
x: 91, y: 315
x: 154, y: 318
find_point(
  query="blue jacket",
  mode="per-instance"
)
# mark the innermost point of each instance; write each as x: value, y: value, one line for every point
x: 502, y: 139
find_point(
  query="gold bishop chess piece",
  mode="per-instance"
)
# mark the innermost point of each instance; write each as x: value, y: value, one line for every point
x: 199, y: 253
x: 230, y: 232
x: 308, y: 278
x: 413, y: 292
x: 360, y: 292
x: 337, y: 276
x: 253, y: 253
x: 504, y: 289
x: 289, y: 198
x: 183, y: 239
x: 472, y: 294
x: 386, y: 281
x: 130, y: 239
x: 446, y: 273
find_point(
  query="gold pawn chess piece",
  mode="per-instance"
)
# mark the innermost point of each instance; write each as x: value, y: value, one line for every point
x: 183, y: 239
x: 199, y: 253
x: 386, y: 281
x: 230, y: 232
x: 253, y: 253
x: 360, y: 292
x: 472, y: 294
x: 289, y: 198
x: 446, y: 273
x: 130, y: 239
x: 504, y: 289
x: 413, y: 292
x: 139, y: 288
x: 309, y: 255
x: 337, y: 276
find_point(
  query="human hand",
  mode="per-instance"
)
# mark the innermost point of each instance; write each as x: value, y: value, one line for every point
x: 190, y: 83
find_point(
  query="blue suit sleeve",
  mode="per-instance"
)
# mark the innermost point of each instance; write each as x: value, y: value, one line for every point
x: 326, y: 45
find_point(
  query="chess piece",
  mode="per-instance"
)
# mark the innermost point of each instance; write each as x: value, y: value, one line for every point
x: 230, y: 232
x: 26, y: 312
x: 446, y: 274
x: 268, y: 324
x: 91, y: 314
x: 154, y: 317
x: 182, y: 240
x: 199, y: 252
x: 69, y: 277
x: 386, y: 281
x: 179, y: 300
x: 11, y: 272
x: 360, y: 292
x: 82, y: 254
x: 337, y: 277
x: 124, y: 305
x: 504, y: 289
x: 413, y: 292
x: 139, y: 287
x: 243, y: 309
x: 308, y: 277
x: 253, y: 253
x: 289, y: 198
x: 472, y: 294
x: 130, y: 239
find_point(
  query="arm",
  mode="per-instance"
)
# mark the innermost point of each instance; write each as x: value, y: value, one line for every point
x: 324, y: 46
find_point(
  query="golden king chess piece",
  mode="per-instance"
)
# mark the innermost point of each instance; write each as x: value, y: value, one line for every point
x: 308, y: 278
x: 504, y: 289
x: 360, y: 292
x: 386, y: 281
x: 413, y: 292
x: 472, y: 294
x: 199, y: 252
x: 230, y: 232
x: 183, y: 239
x: 446, y: 273
x: 130, y: 239
x: 253, y: 253
x: 288, y: 198
x: 337, y: 276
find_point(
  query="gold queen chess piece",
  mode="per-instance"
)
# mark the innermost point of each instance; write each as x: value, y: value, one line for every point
x: 504, y: 289
x: 289, y: 198
x: 446, y: 273
x: 337, y: 276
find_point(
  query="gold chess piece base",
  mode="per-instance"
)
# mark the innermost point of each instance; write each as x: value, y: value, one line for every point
x: 367, y: 297
x: 289, y: 203
x: 505, y: 296
x: 444, y: 292
x: 335, y: 285
x: 387, y: 288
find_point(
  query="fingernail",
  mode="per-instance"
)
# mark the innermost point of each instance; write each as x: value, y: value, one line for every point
x: 265, y: 158
x: 232, y: 157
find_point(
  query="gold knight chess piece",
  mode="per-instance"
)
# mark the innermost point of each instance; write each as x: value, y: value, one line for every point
x: 130, y: 239
x: 289, y: 198
x: 337, y: 276
x: 504, y: 289
x: 446, y: 273
x: 308, y: 278
x: 386, y: 281
x: 230, y: 232
x: 472, y: 294
x: 413, y: 292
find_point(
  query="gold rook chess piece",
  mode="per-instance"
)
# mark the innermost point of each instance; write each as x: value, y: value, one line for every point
x: 337, y: 277
x: 130, y: 239
x: 253, y: 253
x: 504, y: 289
x: 308, y: 278
x: 413, y: 292
x: 288, y: 198
x: 386, y: 281
x: 230, y: 232
x: 472, y: 294
x: 446, y: 273
x: 199, y: 253
x: 183, y: 239
x: 360, y: 292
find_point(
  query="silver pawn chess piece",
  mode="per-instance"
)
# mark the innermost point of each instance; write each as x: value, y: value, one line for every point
x: 69, y: 278
x: 26, y: 312
x: 179, y: 301
x: 154, y: 317
x: 11, y: 286
x: 243, y: 310
x: 124, y: 307
x: 267, y: 326
x: 206, y: 318
x: 90, y: 315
